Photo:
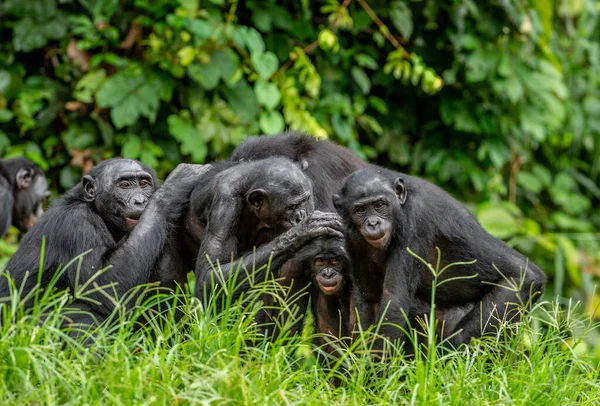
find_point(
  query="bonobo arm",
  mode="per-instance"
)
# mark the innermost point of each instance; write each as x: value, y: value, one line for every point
x: 135, y: 257
x: 277, y: 251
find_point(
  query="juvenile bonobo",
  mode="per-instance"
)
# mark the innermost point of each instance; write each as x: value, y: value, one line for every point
x: 324, y: 267
x: 385, y: 213
x: 265, y: 204
x: 23, y: 190
x: 113, y: 212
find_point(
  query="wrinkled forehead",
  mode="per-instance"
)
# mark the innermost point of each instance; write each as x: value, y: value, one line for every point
x: 363, y: 186
x: 287, y: 177
x: 123, y: 169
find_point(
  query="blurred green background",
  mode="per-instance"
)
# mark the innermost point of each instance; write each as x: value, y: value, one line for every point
x: 498, y: 102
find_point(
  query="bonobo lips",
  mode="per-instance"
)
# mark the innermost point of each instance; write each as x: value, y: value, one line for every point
x: 330, y: 289
x: 132, y: 218
x: 377, y: 240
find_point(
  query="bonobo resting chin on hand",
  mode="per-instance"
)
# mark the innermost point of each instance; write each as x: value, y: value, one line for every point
x: 265, y: 204
x: 116, y: 213
x: 386, y: 213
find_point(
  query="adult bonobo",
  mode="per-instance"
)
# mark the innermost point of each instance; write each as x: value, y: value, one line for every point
x: 386, y: 213
x: 113, y: 212
x: 325, y: 163
x: 265, y: 204
x: 23, y: 189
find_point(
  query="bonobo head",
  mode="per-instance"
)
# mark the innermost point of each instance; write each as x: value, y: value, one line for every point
x: 119, y: 190
x: 369, y: 202
x: 328, y: 262
x: 30, y: 190
x: 280, y: 194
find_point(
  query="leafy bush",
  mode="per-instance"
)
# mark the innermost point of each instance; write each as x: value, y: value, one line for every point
x: 498, y: 102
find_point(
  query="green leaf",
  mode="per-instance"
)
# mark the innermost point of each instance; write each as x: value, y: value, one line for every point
x: 497, y: 220
x: 88, y: 85
x: 134, y: 93
x: 267, y: 94
x: 262, y: 19
x: 69, y: 177
x: 206, y: 76
x: 255, y: 42
x: 132, y: 147
x: 189, y: 137
x: 6, y: 116
x: 200, y: 28
x: 4, y: 143
x: 401, y: 17
x: 514, y: 89
x: 361, y: 79
x: 265, y: 64
x: 242, y: 100
x: 366, y: 61
x: 341, y: 127
x: 227, y: 63
x: 29, y: 35
x: 529, y: 182
x: 271, y: 122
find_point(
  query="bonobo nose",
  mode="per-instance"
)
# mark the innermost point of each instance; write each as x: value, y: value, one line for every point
x: 373, y: 222
x: 328, y: 273
x: 140, y: 200
x: 299, y: 216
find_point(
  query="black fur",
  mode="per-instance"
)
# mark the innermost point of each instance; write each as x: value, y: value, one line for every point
x: 237, y: 206
x: 385, y: 213
x: 112, y: 213
x: 325, y: 163
x: 23, y: 190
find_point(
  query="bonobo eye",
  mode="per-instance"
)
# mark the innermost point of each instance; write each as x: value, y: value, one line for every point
x: 319, y: 261
x: 380, y: 205
x: 360, y: 210
x: 124, y: 184
x: 335, y: 261
x: 144, y: 183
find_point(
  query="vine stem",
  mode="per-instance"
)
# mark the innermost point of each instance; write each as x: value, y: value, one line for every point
x: 313, y: 45
x: 384, y: 29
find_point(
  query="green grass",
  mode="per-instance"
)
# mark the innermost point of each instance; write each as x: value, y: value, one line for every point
x: 203, y: 359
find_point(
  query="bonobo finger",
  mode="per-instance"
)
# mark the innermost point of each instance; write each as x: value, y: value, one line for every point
x: 330, y: 223
x: 324, y: 231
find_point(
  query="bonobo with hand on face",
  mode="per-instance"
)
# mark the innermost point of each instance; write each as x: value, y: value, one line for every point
x: 116, y: 213
x: 385, y: 214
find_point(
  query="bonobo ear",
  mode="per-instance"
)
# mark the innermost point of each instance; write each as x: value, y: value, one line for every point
x: 400, y: 190
x: 23, y: 178
x: 303, y: 165
x: 256, y: 198
x: 89, y: 188
x: 337, y: 203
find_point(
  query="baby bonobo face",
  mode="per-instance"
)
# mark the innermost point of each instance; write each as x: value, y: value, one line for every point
x: 327, y: 272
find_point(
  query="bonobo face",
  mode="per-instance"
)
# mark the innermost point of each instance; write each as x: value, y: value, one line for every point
x: 327, y: 273
x: 29, y: 202
x: 369, y: 202
x: 120, y: 189
x: 30, y: 190
x: 282, y: 196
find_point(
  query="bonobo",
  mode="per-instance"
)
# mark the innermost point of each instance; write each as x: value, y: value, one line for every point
x: 386, y: 213
x: 267, y: 204
x: 113, y: 212
x: 23, y: 189
x: 325, y: 265
x: 325, y: 163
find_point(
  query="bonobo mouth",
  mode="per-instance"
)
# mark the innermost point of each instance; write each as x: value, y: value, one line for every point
x: 330, y: 289
x: 378, y: 241
x: 132, y: 219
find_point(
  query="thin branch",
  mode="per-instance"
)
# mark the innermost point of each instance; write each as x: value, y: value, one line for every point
x: 313, y: 45
x: 384, y: 29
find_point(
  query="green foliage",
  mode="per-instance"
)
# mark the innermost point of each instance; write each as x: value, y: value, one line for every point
x: 498, y: 102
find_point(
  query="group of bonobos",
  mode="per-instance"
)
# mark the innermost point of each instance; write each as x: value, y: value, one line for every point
x: 325, y: 221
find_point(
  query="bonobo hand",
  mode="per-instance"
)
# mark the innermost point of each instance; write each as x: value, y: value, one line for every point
x: 317, y: 225
x: 180, y: 182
